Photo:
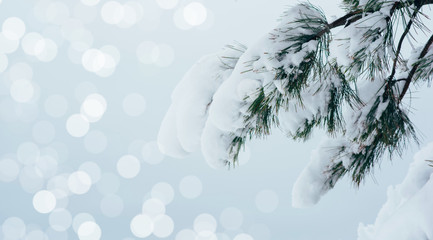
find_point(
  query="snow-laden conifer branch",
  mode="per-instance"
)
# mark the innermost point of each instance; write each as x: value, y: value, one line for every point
x: 425, y: 63
x: 305, y: 74
x: 400, y: 43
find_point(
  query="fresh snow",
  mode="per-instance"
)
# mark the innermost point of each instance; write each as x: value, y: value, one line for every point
x: 210, y: 105
x: 408, y: 212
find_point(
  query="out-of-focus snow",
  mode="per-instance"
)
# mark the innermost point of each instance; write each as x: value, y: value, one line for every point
x: 408, y: 212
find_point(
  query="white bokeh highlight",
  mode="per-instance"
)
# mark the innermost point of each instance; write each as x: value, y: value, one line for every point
x: 167, y: 4
x: 44, y: 201
x: 81, y: 218
x: 79, y: 182
x: 60, y: 219
x: 93, y: 107
x: 163, y: 226
x: 22, y: 90
x: 153, y: 207
x: 163, y: 191
x: 141, y: 226
x: 128, y: 166
x: 89, y: 231
x: 205, y: 225
x: 90, y: 2
x: 14, y: 228
x: 195, y: 13
x: 186, y: 234
x: 77, y: 125
x: 100, y: 62
x: 13, y: 28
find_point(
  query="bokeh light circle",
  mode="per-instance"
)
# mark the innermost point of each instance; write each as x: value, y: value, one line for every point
x: 266, y: 201
x: 128, y: 166
x: 22, y: 90
x: 81, y: 218
x: 9, y: 170
x: 167, y: 4
x: 7, y: 45
x: 31, y: 179
x: 60, y: 219
x: 141, y: 226
x: 243, y: 236
x: 205, y: 224
x: 79, y: 182
x: 112, y: 12
x: 13, y: 228
x: 89, y: 231
x: 195, y: 13
x: 163, y: 191
x: 77, y: 125
x: 90, y: 2
x: 186, y: 234
x: 93, y: 107
x: 4, y: 62
x: 165, y: 55
x: 36, y: 235
x: 13, y: 28
x: 28, y: 153
x: 153, y: 207
x: 44, y: 201
x: 163, y: 226
x: 190, y: 187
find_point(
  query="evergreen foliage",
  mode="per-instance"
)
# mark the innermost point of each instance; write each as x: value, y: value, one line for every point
x: 374, y: 125
x: 348, y: 76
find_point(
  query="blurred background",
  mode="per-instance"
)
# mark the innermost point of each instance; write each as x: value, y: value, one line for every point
x: 84, y: 86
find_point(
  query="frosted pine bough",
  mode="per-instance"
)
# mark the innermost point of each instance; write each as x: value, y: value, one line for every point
x: 348, y: 76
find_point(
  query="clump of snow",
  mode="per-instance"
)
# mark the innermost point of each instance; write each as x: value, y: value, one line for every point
x: 409, y: 206
x: 310, y: 185
x: 213, y: 106
x: 183, y: 124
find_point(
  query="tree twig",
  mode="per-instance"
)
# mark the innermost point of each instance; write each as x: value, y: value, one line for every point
x: 414, y: 68
x: 400, y: 43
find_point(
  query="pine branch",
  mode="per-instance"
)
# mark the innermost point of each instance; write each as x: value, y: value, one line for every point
x: 354, y: 16
x: 400, y: 43
x: 414, y: 68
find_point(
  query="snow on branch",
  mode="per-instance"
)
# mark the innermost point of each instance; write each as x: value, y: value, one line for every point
x: 183, y: 123
x: 347, y: 77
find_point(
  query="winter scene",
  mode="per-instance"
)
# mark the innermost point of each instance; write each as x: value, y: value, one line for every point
x: 216, y: 120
